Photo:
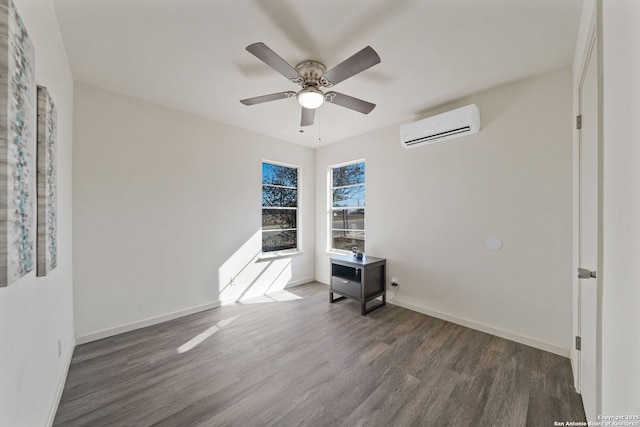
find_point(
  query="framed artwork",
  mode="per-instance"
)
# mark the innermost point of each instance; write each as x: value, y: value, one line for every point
x: 17, y: 146
x: 46, y: 246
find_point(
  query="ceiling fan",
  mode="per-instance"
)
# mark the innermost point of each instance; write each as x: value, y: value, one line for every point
x: 312, y: 76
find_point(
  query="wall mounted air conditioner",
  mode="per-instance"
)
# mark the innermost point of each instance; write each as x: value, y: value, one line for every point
x: 452, y: 124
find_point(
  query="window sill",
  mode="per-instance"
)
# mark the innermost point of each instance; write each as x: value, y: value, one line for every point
x: 270, y: 256
x: 339, y: 253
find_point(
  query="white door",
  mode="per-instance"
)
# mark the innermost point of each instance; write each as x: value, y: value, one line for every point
x: 588, y: 317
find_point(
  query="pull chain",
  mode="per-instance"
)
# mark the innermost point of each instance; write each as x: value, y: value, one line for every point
x: 319, y: 127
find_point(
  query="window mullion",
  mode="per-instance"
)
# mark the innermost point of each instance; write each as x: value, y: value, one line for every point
x: 347, y: 186
x: 279, y: 186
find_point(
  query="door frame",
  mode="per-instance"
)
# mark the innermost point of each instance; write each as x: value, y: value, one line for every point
x: 593, y: 42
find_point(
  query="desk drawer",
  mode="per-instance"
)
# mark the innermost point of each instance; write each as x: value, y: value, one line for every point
x: 346, y: 287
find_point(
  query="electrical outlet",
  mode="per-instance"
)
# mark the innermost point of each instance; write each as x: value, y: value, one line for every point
x: 394, y: 281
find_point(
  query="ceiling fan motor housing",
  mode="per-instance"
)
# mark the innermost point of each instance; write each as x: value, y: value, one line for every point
x: 310, y: 72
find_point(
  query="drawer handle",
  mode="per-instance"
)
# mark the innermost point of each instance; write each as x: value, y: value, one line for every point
x: 344, y: 281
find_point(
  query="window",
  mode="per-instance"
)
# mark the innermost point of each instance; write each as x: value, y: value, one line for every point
x: 347, y: 207
x: 279, y: 207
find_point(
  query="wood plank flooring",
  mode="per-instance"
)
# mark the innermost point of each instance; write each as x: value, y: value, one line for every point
x: 308, y: 362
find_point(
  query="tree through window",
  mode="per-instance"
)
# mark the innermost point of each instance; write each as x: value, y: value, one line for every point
x: 279, y: 207
x: 347, y: 206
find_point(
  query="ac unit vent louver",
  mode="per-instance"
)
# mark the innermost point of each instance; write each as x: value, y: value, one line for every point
x: 452, y: 124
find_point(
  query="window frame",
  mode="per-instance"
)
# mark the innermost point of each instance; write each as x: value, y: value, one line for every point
x: 287, y: 251
x: 331, y: 209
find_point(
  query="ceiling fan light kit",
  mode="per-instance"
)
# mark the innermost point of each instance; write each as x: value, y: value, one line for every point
x: 311, y: 76
x: 311, y: 98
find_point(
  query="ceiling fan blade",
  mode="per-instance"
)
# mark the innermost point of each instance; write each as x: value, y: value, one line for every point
x: 267, y: 98
x: 308, y: 115
x: 349, y: 102
x: 357, y: 63
x: 269, y: 57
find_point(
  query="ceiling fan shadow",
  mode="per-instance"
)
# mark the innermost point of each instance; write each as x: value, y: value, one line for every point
x: 254, y: 70
x: 291, y: 23
x: 370, y: 20
x: 283, y: 16
x: 376, y: 77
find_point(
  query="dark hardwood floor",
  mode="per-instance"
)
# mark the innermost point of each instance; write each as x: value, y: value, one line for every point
x: 308, y: 362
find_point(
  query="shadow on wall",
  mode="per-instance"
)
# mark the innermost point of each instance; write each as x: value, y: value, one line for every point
x: 247, y: 279
x: 492, y: 106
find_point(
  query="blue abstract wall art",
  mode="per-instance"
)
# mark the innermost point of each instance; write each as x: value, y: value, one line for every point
x: 17, y: 146
x: 46, y: 246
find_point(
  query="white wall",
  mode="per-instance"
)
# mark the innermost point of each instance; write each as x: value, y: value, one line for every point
x: 621, y: 209
x: 430, y: 210
x: 167, y: 209
x: 37, y: 312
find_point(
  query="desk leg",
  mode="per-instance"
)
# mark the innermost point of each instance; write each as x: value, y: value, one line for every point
x: 377, y: 306
x: 332, y: 299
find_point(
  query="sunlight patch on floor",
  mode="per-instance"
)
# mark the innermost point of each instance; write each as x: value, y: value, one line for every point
x: 198, y: 339
x: 276, y: 296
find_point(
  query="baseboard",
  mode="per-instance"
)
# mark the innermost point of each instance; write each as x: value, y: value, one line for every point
x: 542, y: 345
x: 291, y: 284
x: 104, y: 333
x: 61, y: 382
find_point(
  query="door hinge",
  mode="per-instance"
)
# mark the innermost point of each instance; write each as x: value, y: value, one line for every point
x: 578, y: 343
x: 583, y: 273
x: 579, y: 122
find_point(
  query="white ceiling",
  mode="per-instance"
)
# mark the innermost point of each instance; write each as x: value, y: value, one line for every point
x: 190, y: 54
